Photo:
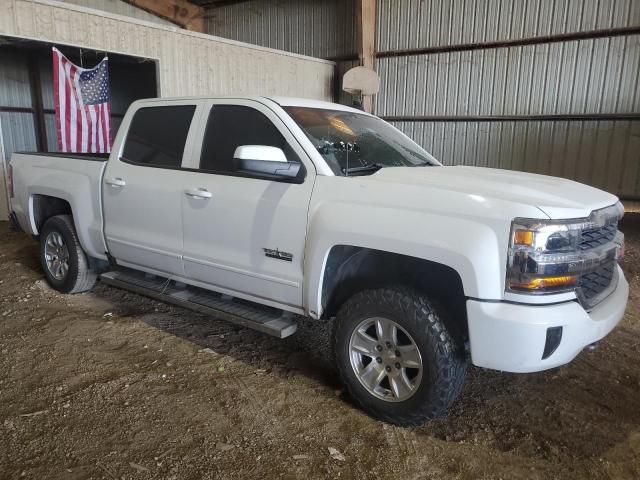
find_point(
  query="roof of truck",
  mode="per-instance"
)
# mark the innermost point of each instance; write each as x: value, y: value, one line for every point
x: 282, y: 101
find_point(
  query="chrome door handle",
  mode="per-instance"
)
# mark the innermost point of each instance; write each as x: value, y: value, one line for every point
x: 115, y: 182
x: 198, y: 193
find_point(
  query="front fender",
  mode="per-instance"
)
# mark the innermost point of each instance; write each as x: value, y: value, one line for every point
x: 472, y: 247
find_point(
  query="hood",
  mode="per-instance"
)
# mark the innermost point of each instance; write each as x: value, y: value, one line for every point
x: 558, y: 198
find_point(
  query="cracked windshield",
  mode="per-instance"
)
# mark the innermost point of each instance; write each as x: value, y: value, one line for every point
x: 358, y: 144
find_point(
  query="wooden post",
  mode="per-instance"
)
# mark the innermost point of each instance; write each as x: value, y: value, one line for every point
x: 366, y: 39
x: 37, y: 103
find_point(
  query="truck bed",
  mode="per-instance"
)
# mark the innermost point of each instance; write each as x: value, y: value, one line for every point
x: 74, y: 178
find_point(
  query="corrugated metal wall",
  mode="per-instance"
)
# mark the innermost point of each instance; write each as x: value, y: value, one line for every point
x: 427, y: 23
x: 576, y: 100
x: 320, y: 28
x: 188, y: 63
x: 585, y: 76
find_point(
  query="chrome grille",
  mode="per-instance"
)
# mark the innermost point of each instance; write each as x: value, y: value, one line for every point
x: 594, y: 285
x: 596, y: 237
x: 600, y: 235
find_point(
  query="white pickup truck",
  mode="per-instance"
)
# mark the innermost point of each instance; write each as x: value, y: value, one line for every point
x: 260, y: 210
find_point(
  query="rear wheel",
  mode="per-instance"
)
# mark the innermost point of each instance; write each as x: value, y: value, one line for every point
x: 396, y: 357
x: 66, y: 266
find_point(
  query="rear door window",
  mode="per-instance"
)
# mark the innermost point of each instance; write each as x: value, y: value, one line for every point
x: 157, y: 136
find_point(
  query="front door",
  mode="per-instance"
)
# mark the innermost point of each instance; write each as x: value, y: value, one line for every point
x: 142, y: 189
x: 247, y: 239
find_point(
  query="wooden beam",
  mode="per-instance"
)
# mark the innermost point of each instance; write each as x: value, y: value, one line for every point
x: 181, y: 12
x: 366, y: 39
x: 37, y: 102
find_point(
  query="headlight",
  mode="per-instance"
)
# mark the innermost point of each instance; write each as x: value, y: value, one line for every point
x: 550, y: 256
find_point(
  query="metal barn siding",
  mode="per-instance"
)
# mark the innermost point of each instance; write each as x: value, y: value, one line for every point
x: 546, y: 86
x: 120, y: 8
x: 189, y: 63
x: 17, y: 131
x: 320, y: 28
x: 428, y: 23
x: 14, y: 80
x: 572, y: 77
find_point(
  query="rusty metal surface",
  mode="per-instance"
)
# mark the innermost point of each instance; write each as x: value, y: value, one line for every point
x: 545, y: 39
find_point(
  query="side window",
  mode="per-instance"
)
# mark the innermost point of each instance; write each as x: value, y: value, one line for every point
x: 157, y: 135
x: 230, y: 126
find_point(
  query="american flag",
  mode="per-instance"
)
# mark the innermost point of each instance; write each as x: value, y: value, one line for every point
x: 83, y: 108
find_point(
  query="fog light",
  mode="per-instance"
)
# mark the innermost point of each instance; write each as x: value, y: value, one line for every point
x: 554, y: 336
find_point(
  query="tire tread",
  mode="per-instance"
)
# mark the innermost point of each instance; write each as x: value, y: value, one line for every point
x: 85, y: 276
x: 424, y: 313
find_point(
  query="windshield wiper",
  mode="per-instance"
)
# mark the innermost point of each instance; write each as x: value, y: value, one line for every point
x: 374, y: 167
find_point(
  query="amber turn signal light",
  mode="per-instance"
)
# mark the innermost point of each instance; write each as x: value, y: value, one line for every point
x: 523, y: 237
x: 549, y: 283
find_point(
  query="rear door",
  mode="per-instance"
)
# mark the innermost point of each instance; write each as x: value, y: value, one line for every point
x: 143, y: 187
x: 247, y: 239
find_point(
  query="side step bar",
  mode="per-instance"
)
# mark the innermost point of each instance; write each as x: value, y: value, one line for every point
x: 247, y: 314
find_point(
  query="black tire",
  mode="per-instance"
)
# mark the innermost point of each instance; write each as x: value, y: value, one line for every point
x: 443, y: 363
x: 79, y: 276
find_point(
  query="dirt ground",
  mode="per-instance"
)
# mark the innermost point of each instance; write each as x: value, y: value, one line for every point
x: 112, y: 385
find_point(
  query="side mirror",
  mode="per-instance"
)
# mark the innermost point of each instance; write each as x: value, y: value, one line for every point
x: 265, y: 162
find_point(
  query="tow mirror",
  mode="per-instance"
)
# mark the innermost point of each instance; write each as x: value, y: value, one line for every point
x: 267, y: 162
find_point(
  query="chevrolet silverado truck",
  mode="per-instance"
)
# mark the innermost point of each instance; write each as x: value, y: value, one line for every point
x: 263, y: 210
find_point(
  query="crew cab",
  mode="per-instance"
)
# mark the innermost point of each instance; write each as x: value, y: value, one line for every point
x: 262, y: 210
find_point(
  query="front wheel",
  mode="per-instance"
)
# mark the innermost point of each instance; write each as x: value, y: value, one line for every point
x: 396, y: 357
x: 65, y: 264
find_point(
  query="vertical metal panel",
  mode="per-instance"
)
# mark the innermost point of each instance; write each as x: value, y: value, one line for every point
x: 585, y: 76
x: 14, y: 80
x: 429, y: 23
x: 572, y: 77
x: 120, y: 8
x: 600, y: 153
x: 50, y: 126
x: 46, y: 85
x: 18, y: 132
x: 320, y: 28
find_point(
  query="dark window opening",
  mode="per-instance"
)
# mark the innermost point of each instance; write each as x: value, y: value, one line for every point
x: 231, y: 126
x: 157, y: 135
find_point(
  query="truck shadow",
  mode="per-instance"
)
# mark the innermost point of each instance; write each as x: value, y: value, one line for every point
x: 582, y: 410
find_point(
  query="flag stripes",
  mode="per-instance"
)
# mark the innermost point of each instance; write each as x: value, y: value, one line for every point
x: 83, y: 108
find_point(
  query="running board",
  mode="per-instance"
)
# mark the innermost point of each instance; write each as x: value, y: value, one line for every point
x: 265, y: 319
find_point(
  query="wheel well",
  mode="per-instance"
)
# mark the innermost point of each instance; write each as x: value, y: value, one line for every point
x: 45, y: 207
x: 349, y: 270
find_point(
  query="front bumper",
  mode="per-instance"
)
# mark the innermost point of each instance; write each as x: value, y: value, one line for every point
x: 511, y: 337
